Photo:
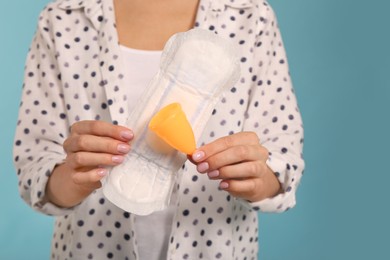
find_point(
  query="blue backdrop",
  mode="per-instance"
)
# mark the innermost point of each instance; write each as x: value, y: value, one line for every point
x: 340, y: 63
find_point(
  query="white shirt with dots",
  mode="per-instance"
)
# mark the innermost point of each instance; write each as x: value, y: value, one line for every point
x: 74, y: 71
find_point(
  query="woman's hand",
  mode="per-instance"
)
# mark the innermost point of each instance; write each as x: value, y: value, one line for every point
x: 239, y: 162
x: 90, y: 147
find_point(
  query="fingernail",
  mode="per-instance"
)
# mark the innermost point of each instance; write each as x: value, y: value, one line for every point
x: 202, y: 167
x: 123, y: 148
x: 213, y: 174
x: 117, y: 159
x: 224, y: 185
x: 127, y: 135
x: 198, y: 155
x: 102, y: 172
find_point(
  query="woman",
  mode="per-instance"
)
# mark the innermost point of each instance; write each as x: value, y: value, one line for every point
x: 80, y: 85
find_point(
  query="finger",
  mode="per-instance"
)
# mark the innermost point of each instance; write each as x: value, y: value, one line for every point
x: 92, y: 143
x: 86, y: 159
x: 244, y: 189
x: 224, y: 143
x: 101, y: 128
x: 234, y: 155
x: 189, y: 157
x: 90, y: 179
x: 239, y: 171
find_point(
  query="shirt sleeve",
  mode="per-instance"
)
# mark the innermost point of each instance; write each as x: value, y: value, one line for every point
x: 274, y: 115
x: 42, y: 123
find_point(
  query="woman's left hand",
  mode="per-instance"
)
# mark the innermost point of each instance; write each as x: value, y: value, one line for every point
x: 239, y: 162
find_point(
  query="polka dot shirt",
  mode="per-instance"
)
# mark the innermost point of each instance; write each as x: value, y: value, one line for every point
x: 74, y: 72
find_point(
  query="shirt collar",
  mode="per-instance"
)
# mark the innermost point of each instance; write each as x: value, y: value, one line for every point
x: 77, y: 4
x: 92, y: 8
x: 218, y: 6
x: 238, y: 3
x: 72, y: 4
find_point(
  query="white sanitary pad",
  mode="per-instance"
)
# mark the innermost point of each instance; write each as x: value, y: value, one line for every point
x: 195, y: 68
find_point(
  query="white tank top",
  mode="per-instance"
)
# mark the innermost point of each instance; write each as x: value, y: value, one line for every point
x: 153, y: 230
x: 139, y: 67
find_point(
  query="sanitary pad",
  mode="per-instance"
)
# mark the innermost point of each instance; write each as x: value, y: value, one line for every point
x: 195, y: 69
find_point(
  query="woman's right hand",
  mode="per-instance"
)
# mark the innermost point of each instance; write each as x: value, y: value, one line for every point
x: 90, y: 148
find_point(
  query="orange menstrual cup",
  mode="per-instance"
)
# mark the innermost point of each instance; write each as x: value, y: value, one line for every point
x: 171, y: 125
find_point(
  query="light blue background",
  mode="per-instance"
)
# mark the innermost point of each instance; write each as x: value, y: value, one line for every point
x: 340, y: 63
